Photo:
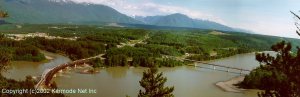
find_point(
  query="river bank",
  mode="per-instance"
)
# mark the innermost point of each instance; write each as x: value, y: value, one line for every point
x: 18, y: 70
x: 229, y: 85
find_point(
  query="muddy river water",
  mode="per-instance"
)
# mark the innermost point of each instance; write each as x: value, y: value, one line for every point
x: 189, y: 81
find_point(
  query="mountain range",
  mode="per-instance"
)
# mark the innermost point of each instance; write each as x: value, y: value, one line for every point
x: 181, y: 20
x: 64, y: 11
x: 69, y: 12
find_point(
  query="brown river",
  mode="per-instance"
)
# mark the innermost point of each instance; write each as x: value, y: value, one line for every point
x: 189, y: 81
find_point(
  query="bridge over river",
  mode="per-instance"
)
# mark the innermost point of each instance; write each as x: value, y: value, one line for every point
x: 48, y: 74
x: 214, y: 66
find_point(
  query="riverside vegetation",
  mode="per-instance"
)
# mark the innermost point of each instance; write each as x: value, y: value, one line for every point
x: 94, y: 40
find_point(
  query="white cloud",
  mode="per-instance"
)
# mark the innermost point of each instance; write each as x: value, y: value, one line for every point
x: 267, y: 24
x: 282, y: 29
x: 148, y: 8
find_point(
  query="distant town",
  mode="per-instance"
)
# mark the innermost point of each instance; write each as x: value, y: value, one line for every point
x: 19, y: 37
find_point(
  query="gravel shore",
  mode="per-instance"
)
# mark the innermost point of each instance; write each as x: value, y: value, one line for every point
x: 229, y: 86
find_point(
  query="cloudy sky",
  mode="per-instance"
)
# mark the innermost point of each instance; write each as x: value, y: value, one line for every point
x: 270, y: 17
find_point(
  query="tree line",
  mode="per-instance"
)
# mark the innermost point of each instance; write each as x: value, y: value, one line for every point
x: 21, y: 50
x: 73, y: 49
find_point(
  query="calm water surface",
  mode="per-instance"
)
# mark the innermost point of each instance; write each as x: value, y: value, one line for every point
x: 20, y: 69
x: 188, y: 81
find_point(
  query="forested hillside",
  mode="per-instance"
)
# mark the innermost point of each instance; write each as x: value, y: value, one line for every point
x: 138, y: 47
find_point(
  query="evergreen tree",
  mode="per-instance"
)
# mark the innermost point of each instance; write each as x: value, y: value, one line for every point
x: 284, y: 80
x: 153, y: 85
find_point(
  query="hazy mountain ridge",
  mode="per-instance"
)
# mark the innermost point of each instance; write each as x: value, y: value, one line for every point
x: 181, y: 20
x: 61, y: 11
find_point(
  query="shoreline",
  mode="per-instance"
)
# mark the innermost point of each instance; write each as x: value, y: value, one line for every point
x: 229, y: 85
x: 231, y: 56
x: 48, y: 57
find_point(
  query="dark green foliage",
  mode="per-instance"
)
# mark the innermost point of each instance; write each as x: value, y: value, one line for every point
x: 21, y: 50
x: 168, y: 62
x: 166, y: 38
x: 28, y: 53
x: 143, y: 61
x: 153, y: 84
x: 130, y: 51
x: 219, y: 53
x: 96, y: 63
x: 138, y: 56
x: 255, y: 79
x: 278, y: 76
x: 253, y: 41
x: 114, y: 35
x: 73, y: 49
x: 121, y: 56
x: 116, y: 60
x: 194, y: 49
x: 160, y: 49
